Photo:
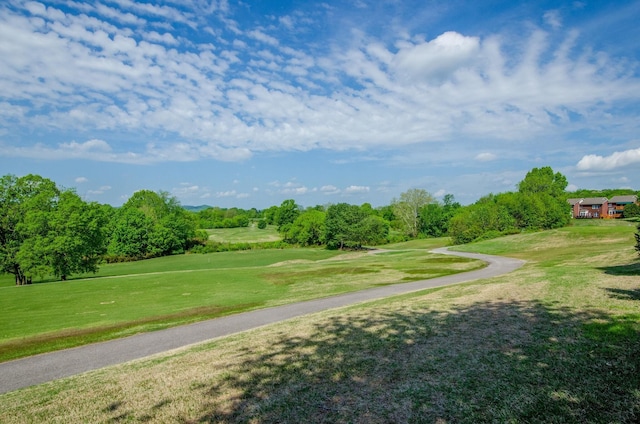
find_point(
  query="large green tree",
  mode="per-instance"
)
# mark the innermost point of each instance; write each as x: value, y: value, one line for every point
x: 544, y: 180
x: 47, y: 231
x: 70, y: 240
x: 150, y: 224
x: 407, y: 209
x: 308, y: 229
x: 286, y: 214
x: 484, y: 217
x: 350, y: 226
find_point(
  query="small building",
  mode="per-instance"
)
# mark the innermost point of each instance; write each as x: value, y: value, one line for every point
x: 601, y: 207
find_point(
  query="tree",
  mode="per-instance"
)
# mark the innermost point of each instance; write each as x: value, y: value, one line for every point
x: 29, y: 195
x: 543, y: 180
x: 631, y: 210
x: 47, y: 231
x: 349, y: 226
x: 71, y: 240
x: 151, y: 224
x: 484, y: 217
x: 286, y: 214
x: 433, y: 220
x: 308, y: 229
x: 637, y: 236
x: 129, y: 233
x: 407, y: 209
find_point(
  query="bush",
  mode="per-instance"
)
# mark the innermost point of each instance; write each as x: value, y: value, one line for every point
x: 262, y: 224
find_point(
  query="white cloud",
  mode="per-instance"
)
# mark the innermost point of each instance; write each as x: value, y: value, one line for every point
x: 329, y: 189
x: 230, y: 98
x: 230, y: 193
x: 485, y: 157
x: 597, y: 163
x: 81, y: 180
x: 295, y: 189
x: 353, y: 189
x: 437, y: 58
x: 99, y: 191
x: 553, y: 19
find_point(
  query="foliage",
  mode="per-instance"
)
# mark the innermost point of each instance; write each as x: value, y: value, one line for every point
x: 631, y: 210
x: 485, y: 216
x: 69, y: 240
x: 308, y: 229
x: 543, y: 180
x: 151, y: 224
x: 607, y: 192
x: 262, y: 224
x: 224, y: 218
x: 637, y: 236
x: 350, y: 226
x: 407, y: 209
x: 47, y: 231
x: 435, y: 217
x: 286, y: 214
x: 539, y: 204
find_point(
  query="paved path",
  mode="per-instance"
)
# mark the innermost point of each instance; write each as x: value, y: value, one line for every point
x: 38, y: 369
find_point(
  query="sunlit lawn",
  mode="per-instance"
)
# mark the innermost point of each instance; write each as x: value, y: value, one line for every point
x: 140, y: 296
x: 555, y: 341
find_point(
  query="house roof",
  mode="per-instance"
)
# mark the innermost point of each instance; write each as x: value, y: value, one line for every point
x: 631, y: 198
x: 573, y: 201
x: 594, y: 201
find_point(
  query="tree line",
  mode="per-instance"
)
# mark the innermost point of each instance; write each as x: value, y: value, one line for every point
x: 49, y: 231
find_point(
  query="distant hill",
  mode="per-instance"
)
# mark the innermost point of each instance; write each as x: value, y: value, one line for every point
x: 196, y: 208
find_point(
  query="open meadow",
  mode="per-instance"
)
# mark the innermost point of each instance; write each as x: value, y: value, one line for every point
x: 250, y: 234
x: 555, y: 341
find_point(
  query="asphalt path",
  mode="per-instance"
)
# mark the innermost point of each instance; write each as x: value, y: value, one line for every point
x: 46, y: 367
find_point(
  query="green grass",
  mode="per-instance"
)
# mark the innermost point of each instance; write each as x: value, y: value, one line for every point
x: 557, y: 341
x: 250, y: 234
x: 127, y: 298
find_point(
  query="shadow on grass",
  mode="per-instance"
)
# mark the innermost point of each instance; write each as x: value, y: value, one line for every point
x: 631, y: 269
x: 490, y: 362
x: 624, y: 294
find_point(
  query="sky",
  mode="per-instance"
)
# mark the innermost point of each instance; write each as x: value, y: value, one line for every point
x: 249, y: 103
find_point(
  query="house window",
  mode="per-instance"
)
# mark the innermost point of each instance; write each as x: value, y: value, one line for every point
x: 584, y: 213
x: 595, y: 206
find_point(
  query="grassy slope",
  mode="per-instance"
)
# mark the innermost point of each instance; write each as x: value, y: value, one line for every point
x: 142, y: 296
x: 556, y: 341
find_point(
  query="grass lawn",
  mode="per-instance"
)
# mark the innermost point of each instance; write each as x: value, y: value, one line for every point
x: 128, y: 298
x: 250, y: 234
x: 555, y: 341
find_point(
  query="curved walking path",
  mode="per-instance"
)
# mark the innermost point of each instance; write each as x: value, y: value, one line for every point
x: 46, y: 367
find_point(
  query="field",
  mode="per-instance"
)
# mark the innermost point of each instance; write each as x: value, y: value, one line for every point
x: 555, y: 341
x: 250, y: 234
x: 128, y: 298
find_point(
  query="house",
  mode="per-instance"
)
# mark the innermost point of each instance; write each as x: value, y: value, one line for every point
x: 601, y: 207
x: 617, y: 204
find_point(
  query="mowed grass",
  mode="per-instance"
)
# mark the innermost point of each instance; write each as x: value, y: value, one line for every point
x: 555, y: 341
x: 127, y: 298
x: 250, y: 234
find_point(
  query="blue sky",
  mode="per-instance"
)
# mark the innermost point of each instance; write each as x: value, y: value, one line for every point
x: 250, y: 103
